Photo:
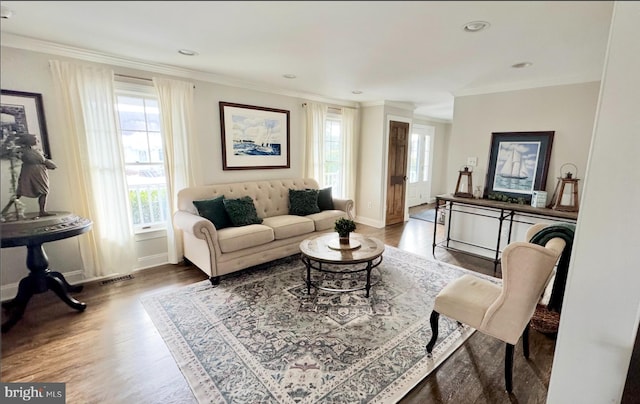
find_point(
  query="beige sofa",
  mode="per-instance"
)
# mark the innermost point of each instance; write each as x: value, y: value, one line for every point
x: 219, y: 252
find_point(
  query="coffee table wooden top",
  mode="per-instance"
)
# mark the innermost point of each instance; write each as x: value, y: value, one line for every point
x: 317, y: 249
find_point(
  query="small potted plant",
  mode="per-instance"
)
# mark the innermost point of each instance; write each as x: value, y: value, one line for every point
x: 343, y: 227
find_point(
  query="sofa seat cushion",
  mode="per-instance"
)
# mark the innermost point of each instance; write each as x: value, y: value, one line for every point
x: 326, y: 219
x: 286, y: 226
x: 238, y: 238
x: 467, y: 299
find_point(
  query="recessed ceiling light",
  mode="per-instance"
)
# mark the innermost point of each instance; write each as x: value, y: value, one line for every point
x: 356, y: 92
x: 5, y: 12
x: 475, y: 26
x: 187, y: 52
x: 289, y: 76
x: 521, y: 65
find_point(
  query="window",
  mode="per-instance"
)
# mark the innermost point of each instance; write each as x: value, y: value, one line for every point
x: 414, y: 161
x: 333, y: 152
x: 420, y: 153
x: 139, y: 120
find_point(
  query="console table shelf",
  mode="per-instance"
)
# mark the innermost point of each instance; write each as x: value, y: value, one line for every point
x: 502, y: 211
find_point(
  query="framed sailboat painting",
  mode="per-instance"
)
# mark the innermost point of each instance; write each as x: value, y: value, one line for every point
x: 254, y: 137
x: 518, y: 165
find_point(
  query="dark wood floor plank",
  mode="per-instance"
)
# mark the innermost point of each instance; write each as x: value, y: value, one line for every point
x: 112, y: 353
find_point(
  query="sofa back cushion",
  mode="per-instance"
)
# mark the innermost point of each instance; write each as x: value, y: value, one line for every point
x: 271, y: 198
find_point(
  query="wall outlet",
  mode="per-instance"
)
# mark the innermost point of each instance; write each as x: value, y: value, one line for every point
x: 472, y: 161
x: 369, y: 205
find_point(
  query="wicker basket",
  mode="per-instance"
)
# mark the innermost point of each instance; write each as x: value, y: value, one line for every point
x: 545, y: 321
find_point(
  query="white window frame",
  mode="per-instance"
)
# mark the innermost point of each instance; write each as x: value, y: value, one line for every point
x: 334, y: 116
x: 140, y: 91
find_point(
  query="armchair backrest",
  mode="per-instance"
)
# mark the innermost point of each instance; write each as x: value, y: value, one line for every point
x: 526, y: 270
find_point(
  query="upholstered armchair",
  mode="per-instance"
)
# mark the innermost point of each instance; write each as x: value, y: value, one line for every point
x: 502, y: 310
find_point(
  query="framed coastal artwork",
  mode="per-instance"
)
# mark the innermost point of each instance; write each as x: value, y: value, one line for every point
x: 518, y: 165
x: 22, y: 112
x: 254, y: 137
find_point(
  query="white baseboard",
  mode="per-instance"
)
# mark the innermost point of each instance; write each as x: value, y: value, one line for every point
x: 10, y: 290
x: 152, y: 261
x: 370, y: 222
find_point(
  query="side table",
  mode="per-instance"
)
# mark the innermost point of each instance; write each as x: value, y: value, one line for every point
x: 32, y: 232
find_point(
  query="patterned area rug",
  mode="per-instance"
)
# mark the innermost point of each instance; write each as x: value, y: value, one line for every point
x: 258, y: 337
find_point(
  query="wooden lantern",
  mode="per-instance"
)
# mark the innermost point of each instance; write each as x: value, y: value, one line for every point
x: 464, y: 176
x: 565, y: 196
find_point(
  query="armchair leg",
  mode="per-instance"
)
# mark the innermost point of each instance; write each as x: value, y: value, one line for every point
x: 508, y: 368
x: 525, y: 341
x: 433, y: 320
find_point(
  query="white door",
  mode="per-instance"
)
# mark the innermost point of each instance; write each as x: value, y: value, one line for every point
x: 420, y: 147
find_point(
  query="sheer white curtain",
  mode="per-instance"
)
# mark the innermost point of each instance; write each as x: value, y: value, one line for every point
x: 95, y: 166
x: 176, y: 109
x: 351, y: 132
x: 316, y: 115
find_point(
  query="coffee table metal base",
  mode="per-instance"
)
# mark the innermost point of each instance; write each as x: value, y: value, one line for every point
x: 317, y: 265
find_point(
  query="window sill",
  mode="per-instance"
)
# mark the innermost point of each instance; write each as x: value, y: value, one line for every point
x: 148, y: 234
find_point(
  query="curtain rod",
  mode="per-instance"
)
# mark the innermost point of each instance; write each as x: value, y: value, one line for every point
x: 132, y: 77
x: 135, y: 77
x: 333, y: 106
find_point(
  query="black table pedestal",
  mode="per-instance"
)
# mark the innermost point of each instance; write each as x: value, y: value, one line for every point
x: 39, y: 280
x: 32, y: 234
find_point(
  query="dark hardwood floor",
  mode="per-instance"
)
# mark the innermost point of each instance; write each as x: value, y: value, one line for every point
x: 112, y: 353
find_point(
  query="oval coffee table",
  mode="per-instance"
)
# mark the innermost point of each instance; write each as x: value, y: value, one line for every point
x: 364, y: 253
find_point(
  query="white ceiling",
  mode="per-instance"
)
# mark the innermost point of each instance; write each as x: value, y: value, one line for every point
x: 413, y: 52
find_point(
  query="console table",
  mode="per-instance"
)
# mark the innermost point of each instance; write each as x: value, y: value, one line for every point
x: 32, y: 232
x: 502, y: 211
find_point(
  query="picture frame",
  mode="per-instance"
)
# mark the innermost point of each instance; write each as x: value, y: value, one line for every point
x: 518, y: 165
x: 254, y: 137
x: 23, y: 112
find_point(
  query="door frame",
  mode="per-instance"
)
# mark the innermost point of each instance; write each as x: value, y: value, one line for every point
x: 385, y: 177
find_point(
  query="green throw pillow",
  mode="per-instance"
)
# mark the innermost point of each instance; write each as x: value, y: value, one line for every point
x: 303, y: 202
x: 213, y: 209
x: 242, y: 211
x: 325, y: 200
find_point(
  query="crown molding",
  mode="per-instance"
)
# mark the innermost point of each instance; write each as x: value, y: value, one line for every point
x: 396, y: 104
x: 525, y: 85
x: 430, y: 119
x: 37, y: 45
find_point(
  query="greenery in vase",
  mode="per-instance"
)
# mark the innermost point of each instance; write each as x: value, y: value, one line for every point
x: 344, y: 226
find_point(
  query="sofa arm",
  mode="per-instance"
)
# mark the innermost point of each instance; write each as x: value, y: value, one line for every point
x: 343, y: 204
x: 196, y: 225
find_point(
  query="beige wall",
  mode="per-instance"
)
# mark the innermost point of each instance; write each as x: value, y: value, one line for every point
x: 601, y: 310
x: 369, y: 200
x: 568, y: 110
x: 24, y: 70
x: 371, y: 196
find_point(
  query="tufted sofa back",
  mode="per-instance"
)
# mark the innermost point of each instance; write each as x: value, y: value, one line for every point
x: 271, y: 198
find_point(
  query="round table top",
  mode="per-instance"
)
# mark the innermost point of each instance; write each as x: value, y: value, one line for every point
x: 317, y: 248
x: 34, y: 229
